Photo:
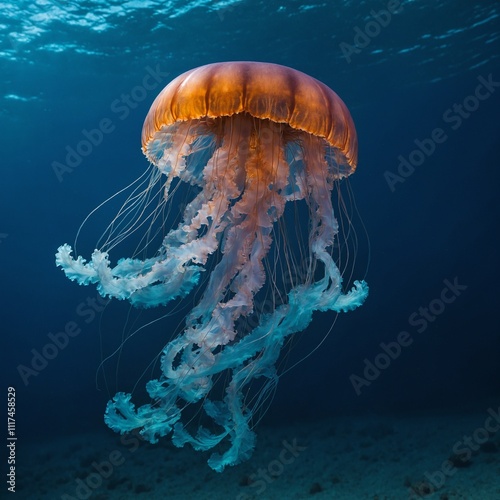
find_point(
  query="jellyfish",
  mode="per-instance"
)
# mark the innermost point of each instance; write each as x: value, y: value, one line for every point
x: 249, y: 140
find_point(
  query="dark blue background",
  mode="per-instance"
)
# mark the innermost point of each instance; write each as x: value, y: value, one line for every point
x: 441, y: 223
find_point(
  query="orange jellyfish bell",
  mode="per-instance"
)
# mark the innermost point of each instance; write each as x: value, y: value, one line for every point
x: 260, y: 147
x: 262, y: 90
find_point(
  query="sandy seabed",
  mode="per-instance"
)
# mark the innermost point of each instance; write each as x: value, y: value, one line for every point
x: 376, y: 457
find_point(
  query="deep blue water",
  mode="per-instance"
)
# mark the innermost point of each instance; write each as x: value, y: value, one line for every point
x: 65, y: 67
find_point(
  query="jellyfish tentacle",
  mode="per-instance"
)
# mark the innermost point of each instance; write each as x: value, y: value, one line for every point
x: 174, y: 144
x: 209, y: 345
x: 248, y: 138
x: 247, y: 243
x: 240, y: 271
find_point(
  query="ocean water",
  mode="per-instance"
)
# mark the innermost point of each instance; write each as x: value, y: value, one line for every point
x: 377, y: 405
